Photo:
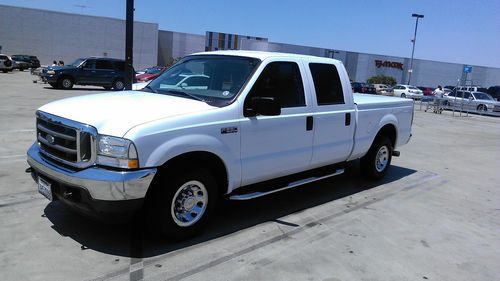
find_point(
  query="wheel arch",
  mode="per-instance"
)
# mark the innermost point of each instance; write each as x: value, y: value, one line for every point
x: 203, y: 159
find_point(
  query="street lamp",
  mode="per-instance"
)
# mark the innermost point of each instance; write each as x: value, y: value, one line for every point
x: 410, y: 71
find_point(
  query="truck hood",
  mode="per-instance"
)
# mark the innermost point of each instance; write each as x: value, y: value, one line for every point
x: 116, y: 113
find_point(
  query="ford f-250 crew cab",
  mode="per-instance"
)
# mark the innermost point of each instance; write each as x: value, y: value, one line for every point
x: 245, y: 124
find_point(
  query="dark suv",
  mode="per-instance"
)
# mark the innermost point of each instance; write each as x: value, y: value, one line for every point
x: 26, y: 61
x: 105, y: 72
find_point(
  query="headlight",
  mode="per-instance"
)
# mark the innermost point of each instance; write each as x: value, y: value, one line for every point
x: 116, y: 152
x: 51, y: 72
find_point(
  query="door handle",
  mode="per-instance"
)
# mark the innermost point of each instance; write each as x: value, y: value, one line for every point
x: 309, y: 123
x: 348, y: 119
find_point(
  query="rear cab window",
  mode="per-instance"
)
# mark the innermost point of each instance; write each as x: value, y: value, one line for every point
x: 327, y: 84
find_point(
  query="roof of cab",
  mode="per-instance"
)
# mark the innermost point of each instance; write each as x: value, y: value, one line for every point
x: 263, y: 55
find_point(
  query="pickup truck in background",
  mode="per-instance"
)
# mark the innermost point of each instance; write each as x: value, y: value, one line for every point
x: 250, y: 124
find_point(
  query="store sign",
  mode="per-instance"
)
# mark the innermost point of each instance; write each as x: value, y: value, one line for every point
x: 391, y: 64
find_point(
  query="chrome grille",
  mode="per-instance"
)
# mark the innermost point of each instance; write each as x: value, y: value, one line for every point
x: 67, y: 141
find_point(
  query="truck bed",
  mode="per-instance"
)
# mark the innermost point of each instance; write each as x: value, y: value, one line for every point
x: 373, y: 112
x: 364, y: 101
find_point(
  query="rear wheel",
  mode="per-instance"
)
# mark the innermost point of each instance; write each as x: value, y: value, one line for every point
x: 181, y: 203
x: 376, y: 162
x: 403, y: 95
x: 118, y: 85
x: 5, y: 70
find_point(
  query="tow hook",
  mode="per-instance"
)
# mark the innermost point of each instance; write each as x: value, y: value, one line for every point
x: 396, y: 153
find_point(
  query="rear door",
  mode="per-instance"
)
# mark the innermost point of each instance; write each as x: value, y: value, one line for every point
x: 273, y: 146
x: 104, y: 72
x: 333, y: 115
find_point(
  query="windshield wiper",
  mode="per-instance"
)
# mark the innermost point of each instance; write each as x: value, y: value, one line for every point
x: 185, y: 94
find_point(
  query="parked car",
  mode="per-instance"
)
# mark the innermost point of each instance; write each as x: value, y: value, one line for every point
x: 26, y: 61
x: 427, y: 91
x: 472, y: 89
x: 407, y: 91
x: 106, y: 72
x: 363, y: 88
x: 150, y: 73
x: 21, y: 63
x: 252, y: 131
x: 383, y: 89
x: 6, y: 63
x: 494, y: 91
x: 472, y: 101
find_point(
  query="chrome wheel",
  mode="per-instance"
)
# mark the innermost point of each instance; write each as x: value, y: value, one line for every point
x: 382, y: 159
x: 119, y: 85
x: 189, y: 203
x: 66, y: 83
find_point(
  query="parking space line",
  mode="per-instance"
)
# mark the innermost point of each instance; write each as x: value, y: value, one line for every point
x: 13, y: 156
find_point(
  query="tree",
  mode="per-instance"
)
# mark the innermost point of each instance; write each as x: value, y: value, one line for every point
x: 382, y: 79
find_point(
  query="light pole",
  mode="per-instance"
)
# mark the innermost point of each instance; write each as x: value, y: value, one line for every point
x: 410, y: 71
x: 332, y: 53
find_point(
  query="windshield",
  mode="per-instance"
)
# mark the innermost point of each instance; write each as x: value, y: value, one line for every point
x: 482, y: 96
x: 77, y: 62
x: 213, y: 79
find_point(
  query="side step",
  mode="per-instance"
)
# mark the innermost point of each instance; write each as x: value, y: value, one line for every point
x: 257, y: 194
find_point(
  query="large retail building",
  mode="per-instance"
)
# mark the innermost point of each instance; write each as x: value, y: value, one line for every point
x: 62, y: 36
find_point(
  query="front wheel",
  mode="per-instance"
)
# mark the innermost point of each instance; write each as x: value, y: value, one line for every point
x: 403, y: 95
x: 66, y: 83
x: 482, y: 108
x: 376, y: 162
x: 181, y: 204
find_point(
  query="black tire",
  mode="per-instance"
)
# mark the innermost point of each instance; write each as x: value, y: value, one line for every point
x: 118, y: 85
x: 5, y: 70
x: 403, y: 95
x: 482, y: 108
x: 164, y: 214
x: 372, y: 165
x: 54, y: 85
x: 65, y: 83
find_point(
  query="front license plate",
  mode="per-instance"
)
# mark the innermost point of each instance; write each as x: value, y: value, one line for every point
x: 44, y: 188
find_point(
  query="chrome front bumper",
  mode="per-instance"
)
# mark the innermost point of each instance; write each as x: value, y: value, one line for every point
x: 101, y: 183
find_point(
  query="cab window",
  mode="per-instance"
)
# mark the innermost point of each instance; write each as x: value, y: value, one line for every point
x: 283, y: 82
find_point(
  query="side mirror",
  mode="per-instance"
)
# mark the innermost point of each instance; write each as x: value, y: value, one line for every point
x: 266, y: 106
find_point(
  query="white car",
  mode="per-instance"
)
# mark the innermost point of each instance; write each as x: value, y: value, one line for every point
x: 407, y: 91
x: 6, y: 63
x: 181, y: 82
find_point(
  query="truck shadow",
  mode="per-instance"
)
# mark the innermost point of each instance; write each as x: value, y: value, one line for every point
x: 132, y: 240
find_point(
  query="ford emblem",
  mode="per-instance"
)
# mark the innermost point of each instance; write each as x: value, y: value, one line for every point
x: 50, y: 139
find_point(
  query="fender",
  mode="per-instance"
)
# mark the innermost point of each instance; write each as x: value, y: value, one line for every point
x: 198, y: 142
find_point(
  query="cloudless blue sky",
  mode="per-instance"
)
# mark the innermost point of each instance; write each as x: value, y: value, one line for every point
x: 452, y: 30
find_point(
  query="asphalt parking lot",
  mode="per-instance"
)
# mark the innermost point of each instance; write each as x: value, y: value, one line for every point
x: 434, y: 217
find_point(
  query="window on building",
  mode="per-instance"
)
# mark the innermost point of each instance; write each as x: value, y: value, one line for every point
x: 327, y: 84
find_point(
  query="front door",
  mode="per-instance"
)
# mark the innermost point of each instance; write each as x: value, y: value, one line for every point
x: 273, y: 146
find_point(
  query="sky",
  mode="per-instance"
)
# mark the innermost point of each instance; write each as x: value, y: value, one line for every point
x: 455, y: 31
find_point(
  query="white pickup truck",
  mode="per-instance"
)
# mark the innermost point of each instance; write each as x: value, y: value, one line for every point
x: 240, y: 125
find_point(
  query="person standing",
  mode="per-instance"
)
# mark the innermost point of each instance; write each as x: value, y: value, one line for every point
x: 438, y: 99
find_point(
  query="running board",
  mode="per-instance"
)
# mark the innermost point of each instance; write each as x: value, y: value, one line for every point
x: 258, y: 194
